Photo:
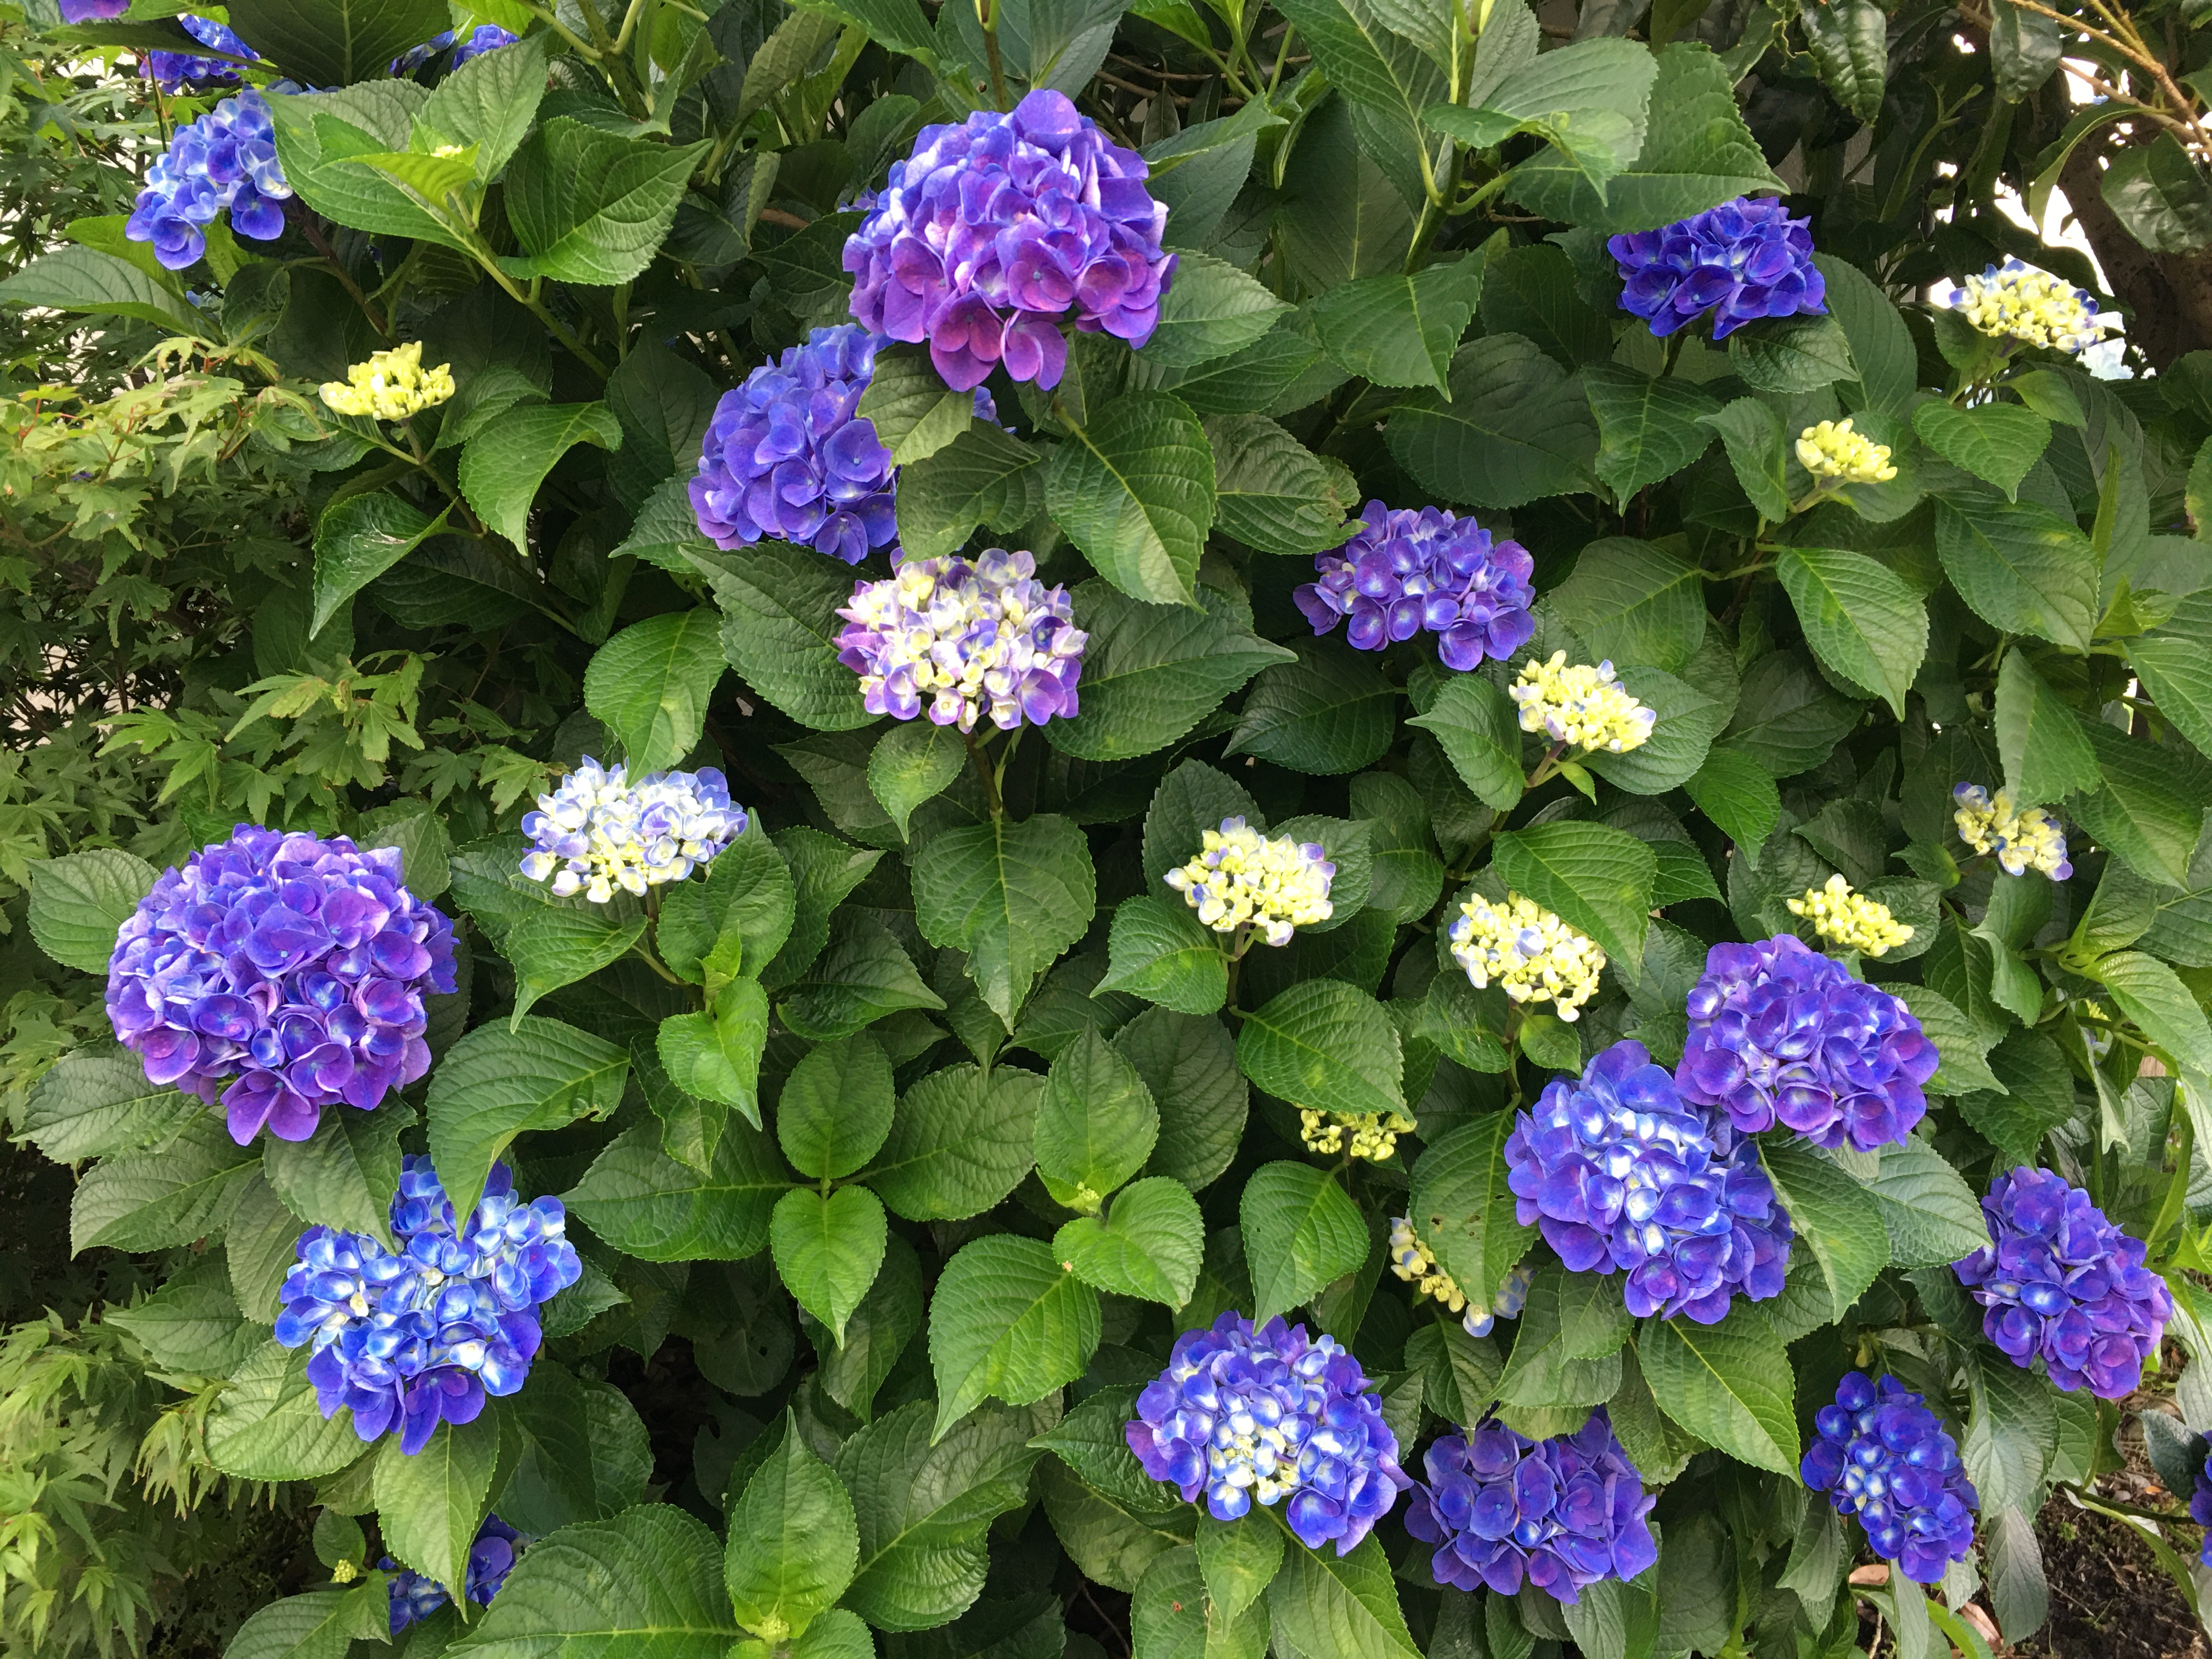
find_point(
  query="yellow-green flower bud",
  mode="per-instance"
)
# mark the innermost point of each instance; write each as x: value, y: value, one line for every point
x: 1850, y: 920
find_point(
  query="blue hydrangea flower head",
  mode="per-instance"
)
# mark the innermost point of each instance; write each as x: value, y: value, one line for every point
x: 1618, y: 1172
x: 598, y: 831
x: 491, y: 1558
x: 1562, y: 1513
x: 1271, y: 1414
x: 2200, y: 1508
x: 172, y: 71
x: 290, y: 968
x: 993, y: 230
x: 1406, y: 571
x: 1736, y: 263
x: 93, y: 11
x: 1781, y: 1034
x: 2059, y: 1282
x: 1882, y: 1454
x: 485, y: 37
x: 225, y: 159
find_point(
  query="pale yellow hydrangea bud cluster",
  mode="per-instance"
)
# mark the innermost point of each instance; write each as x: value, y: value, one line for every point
x: 1833, y: 450
x: 1412, y: 1261
x: 391, y: 386
x: 1850, y: 920
x: 1533, y: 955
x: 1373, y: 1134
x: 2021, y: 303
x: 1242, y: 878
x: 1582, y: 706
x: 2022, y: 840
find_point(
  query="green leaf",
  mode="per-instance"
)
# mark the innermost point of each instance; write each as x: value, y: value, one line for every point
x: 559, y: 945
x: 1149, y: 1244
x: 499, y: 1081
x: 862, y: 976
x: 1955, y: 1038
x: 344, y: 1175
x: 552, y: 1485
x: 1648, y: 428
x: 1209, y: 310
x: 646, y: 1204
x: 1272, y: 492
x: 1513, y: 429
x: 86, y: 280
x: 735, y: 915
x: 2151, y: 809
x: 1592, y: 99
x: 984, y: 477
x: 1679, y: 741
x: 96, y: 1101
x: 1158, y: 949
x: 717, y: 1054
x: 2158, y: 193
x: 591, y: 206
x: 358, y: 539
x: 1153, y: 671
x: 2174, y: 662
x: 502, y: 465
x: 829, y: 1250
x: 646, y: 1585
x: 794, y: 1544
x: 960, y: 1141
x: 1012, y: 895
x: 1999, y: 443
x: 320, y: 1625
x: 489, y: 102
x: 334, y: 43
x: 1729, y: 1384
x: 1397, y: 329
x: 1345, y: 1606
x: 1006, y: 1322
x: 176, y: 1194
x: 916, y: 762
x: 1096, y: 1124
x: 2152, y: 995
x: 429, y: 1503
x: 1238, y: 1562
x: 1134, y: 489
x: 192, y: 1324
x: 1882, y: 345
x: 416, y: 831
x: 1739, y: 795
x: 2045, y: 753
x: 1597, y: 878
x: 1463, y: 1209
x: 267, y: 1427
x: 778, y: 630
x: 1172, y: 1617
x: 80, y: 900
x: 1792, y: 354
x: 1567, y: 1350
x: 1331, y: 711
x: 1326, y: 1045
x: 1860, y: 618
x: 836, y: 1107
x: 1300, y: 1231
x: 1835, y: 1219
x: 259, y: 1248
x: 1245, y: 382
x: 1386, y: 77
x: 1634, y: 602
x: 1932, y: 1216
x: 1479, y: 729
x: 650, y: 685
x: 915, y: 413
x: 2021, y: 567
x: 1787, y: 718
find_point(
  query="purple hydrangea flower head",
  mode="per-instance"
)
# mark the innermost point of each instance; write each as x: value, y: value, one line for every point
x: 93, y: 11
x: 1274, y: 1415
x: 598, y: 831
x: 788, y: 456
x: 491, y: 1558
x: 421, y: 1336
x: 1619, y: 1172
x: 2059, y: 1281
x: 290, y: 968
x: 225, y: 159
x: 1781, y: 1034
x: 994, y: 229
x: 1562, y: 1513
x: 1882, y: 1454
x: 1406, y: 571
x: 172, y: 71
x: 2200, y: 1508
x: 485, y: 37
x: 1741, y: 261
x: 962, y: 638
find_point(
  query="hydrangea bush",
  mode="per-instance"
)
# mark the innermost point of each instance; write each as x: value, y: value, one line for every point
x: 1158, y: 832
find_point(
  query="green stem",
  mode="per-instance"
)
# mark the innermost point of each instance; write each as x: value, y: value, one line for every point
x: 985, y: 776
x: 986, y: 14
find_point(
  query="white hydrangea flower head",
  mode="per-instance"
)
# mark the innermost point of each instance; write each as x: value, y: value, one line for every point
x: 598, y: 831
x: 391, y: 386
x: 2017, y: 301
x: 2025, y: 840
x: 1373, y: 1134
x: 1242, y: 878
x: 1582, y: 706
x: 1531, y: 953
x: 1849, y: 920
x: 1833, y: 450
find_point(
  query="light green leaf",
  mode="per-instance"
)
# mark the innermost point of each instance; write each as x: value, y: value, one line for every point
x: 794, y: 1544
x: 2174, y: 662
x: 1096, y: 1124
x: 1792, y: 354
x: 916, y: 761
x: 1012, y: 895
x: 557, y: 945
x: 1479, y: 729
x: 647, y: 1584
x: 344, y: 1175
x: 1860, y: 618
x: 356, y: 541
x: 500, y: 1080
x: 320, y: 1625
x: 1159, y: 950
x: 502, y: 465
x: 2152, y: 995
x: 983, y: 476
x: 267, y: 1427
x: 915, y: 413
x: 1597, y: 878
x: 836, y: 1107
x: 1326, y: 1045
x: 960, y: 1141
x: 1148, y: 1243
x: 1835, y: 1219
x: 1631, y: 601
x: 84, y: 279
x: 176, y: 1194
x: 1752, y: 435
x: 829, y: 1250
x: 1932, y: 1216
x: 1999, y: 443
x: 1302, y: 1230
x: 1462, y: 1208
x: 1006, y: 1322
x: 80, y: 900
x: 1346, y: 1607
x: 651, y: 683
x: 96, y: 1101
x: 1134, y: 489
x: 590, y: 206
x: 429, y: 1503
x: 192, y: 1324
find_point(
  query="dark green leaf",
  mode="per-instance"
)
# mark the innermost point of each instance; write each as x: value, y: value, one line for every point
x: 648, y: 1205
x: 1860, y: 618
x: 960, y: 1141
x: 1134, y: 488
x: 1153, y: 671
x: 1513, y: 429
x: 1008, y: 1321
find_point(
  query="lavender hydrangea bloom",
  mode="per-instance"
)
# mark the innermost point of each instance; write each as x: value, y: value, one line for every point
x: 292, y: 966
x: 171, y: 70
x: 1408, y: 570
x: 992, y: 230
x: 1779, y: 1033
x: 2200, y: 1508
x: 225, y: 159
x: 2059, y: 1280
x: 412, y: 1338
x: 1619, y: 1173
x: 1271, y: 1414
x: 1741, y: 261
x: 789, y: 457
x: 1882, y: 1455
x: 1562, y: 1513
x: 491, y: 1558
x: 93, y: 11
x: 485, y: 37
x: 598, y: 831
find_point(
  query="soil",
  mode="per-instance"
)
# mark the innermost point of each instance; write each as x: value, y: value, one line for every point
x: 2109, y: 1598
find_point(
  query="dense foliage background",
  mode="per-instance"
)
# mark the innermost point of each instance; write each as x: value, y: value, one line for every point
x: 222, y: 602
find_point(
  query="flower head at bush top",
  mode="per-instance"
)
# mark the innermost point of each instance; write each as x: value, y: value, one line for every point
x: 598, y: 831
x: 491, y: 1558
x: 483, y: 37
x: 391, y: 386
x: 1581, y: 706
x: 788, y: 456
x: 171, y: 70
x: 992, y: 230
x: 1412, y: 1262
x: 1533, y: 955
x: 1242, y: 878
x: 1737, y: 263
x: 289, y: 969
x: 2061, y: 1283
x: 1562, y: 1513
x: 410, y: 1339
x: 1417, y: 569
x: 1882, y: 1454
x: 959, y: 639
x: 1617, y: 1172
x: 225, y: 159
x: 1275, y: 1416
x: 1781, y: 1034
x: 1850, y: 920
x: 1833, y: 450
x: 2016, y: 302
x: 2023, y: 839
